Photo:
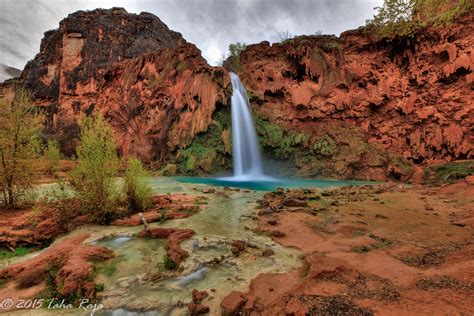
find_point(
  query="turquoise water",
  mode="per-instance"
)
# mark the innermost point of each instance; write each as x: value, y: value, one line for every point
x: 273, y: 183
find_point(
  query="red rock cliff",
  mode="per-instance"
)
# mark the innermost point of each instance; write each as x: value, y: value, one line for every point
x: 411, y: 97
x: 154, y: 88
x: 350, y: 107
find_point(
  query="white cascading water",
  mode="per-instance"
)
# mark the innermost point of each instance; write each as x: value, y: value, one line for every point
x: 245, y: 146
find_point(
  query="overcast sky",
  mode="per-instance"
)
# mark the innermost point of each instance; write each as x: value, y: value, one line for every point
x: 210, y: 24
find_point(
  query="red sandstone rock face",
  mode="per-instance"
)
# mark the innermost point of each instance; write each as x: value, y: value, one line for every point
x: 406, y: 98
x: 413, y: 97
x: 154, y: 87
x: 159, y: 101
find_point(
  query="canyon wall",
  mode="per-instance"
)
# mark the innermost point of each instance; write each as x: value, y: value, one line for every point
x: 154, y: 88
x: 351, y: 106
x: 371, y: 107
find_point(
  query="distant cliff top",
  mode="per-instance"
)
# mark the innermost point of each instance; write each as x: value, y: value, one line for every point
x: 86, y: 42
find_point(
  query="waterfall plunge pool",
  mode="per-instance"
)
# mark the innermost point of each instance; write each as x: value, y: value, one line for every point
x: 267, y: 183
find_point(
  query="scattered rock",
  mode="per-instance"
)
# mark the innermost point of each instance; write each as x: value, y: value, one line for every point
x: 272, y: 221
x: 239, y: 245
x: 265, y: 211
x: 268, y: 253
x: 233, y: 303
x: 277, y: 233
x: 209, y: 190
x: 197, y: 309
x: 290, y: 202
x: 199, y: 296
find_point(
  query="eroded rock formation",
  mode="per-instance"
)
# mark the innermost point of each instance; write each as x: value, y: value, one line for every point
x: 155, y: 88
x: 349, y: 106
x: 65, y: 269
x: 409, y: 97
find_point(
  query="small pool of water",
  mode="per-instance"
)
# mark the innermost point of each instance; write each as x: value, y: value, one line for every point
x: 271, y: 184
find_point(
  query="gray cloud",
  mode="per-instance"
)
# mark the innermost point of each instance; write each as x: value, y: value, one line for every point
x: 210, y: 24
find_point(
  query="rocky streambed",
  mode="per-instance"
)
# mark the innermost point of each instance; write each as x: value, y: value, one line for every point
x: 223, y: 254
x: 367, y: 249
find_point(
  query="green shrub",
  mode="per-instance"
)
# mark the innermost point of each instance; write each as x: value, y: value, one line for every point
x: 325, y: 146
x: 210, y: 151
x: 137, y: 190
x: 53, y: 155
x: 93, y: 180
x: 168, y: 263
x: 448, y: 172
x: 20, y: 251
x: 99, y: 287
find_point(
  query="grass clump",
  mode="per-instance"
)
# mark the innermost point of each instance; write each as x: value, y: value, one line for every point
x: 380, y: 243
x: 108, y: 267
x: 53, y: 156
x: 137, y: 190
x: 20, y: 251
x: 168, y: 263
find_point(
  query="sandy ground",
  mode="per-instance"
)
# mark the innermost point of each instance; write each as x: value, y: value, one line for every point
x: 390, y: 251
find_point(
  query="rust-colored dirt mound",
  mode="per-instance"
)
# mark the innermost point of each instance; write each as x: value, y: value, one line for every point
x: 173, y: 243
x: 65, y: 268
x: 385, y: 250
x: 32, y: 226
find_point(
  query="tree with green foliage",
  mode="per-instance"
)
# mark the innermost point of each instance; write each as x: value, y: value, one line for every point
x: 20, y: 147
x: 137, y: 190
x: 93, y: 180
x: 394, y: 17
x: 406, y: 17
x: 53, y: 156
x: 236, y: 48
x: 233, y: 61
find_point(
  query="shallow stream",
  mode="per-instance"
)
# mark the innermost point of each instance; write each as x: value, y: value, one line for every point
x: 130, y: 279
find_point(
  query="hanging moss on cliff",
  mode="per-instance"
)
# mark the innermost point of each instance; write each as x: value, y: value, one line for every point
x: 278, y: 142
x: 448, y: 172
x: 210, y: 151
x: 341, y: 151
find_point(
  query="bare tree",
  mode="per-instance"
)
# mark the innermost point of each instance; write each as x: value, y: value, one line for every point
x: 284, y: 35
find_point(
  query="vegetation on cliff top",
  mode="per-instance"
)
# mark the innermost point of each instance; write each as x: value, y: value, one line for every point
x: 232, y: 62
x: 407, y: 17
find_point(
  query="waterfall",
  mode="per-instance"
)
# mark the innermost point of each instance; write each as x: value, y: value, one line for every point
x: 245, y: 146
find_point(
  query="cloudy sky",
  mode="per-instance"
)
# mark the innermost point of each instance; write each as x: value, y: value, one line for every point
x: 210, y: 24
